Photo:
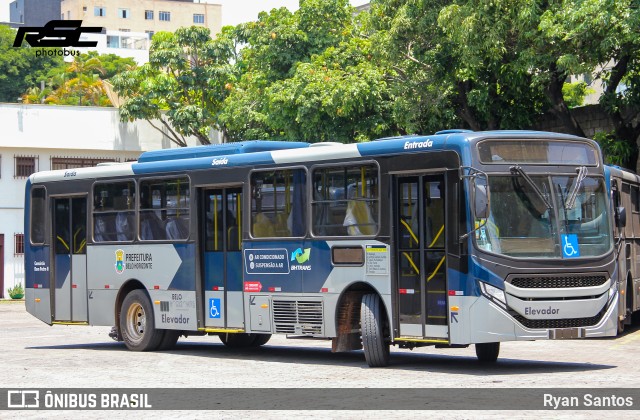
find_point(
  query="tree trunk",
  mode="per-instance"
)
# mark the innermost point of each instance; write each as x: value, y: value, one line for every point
x: 558, y: 107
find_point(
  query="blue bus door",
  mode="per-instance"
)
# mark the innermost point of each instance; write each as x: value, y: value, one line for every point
x: 421, y: 288
x: 70, y: 259
x: 221, y: 229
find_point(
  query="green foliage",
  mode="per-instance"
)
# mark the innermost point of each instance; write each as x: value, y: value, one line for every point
x: 308, y: 75
x: 616, y: 151
x: 78, y: 82
x: 574, y: 93
x: 16, y: 292
x: 184, y: 84
x: 19, y: 67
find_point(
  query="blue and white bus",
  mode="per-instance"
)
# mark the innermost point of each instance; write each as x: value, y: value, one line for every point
x: 451, y: 239
x: 624, y: 187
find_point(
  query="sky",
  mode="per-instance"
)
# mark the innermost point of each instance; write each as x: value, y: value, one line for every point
x: 233, y: 11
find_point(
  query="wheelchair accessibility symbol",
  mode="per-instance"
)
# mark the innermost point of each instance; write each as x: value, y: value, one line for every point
x: 570, y: 248
x: 214, y: 308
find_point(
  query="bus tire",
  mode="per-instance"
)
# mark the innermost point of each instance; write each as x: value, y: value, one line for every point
x: 374, y: 343
x: 487, y: 352
x: 137, y: 324
x: 260, y: 340
x: 169, y: 340
x: 238, y: 340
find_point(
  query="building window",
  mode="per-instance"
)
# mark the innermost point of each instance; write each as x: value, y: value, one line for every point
x: 198, y: 18
x: 149, y: 34
x: 124, y: 30
x: 25, y: 166
x: 113, y: 41
x: 73, y: 162
x: 18, y: 244
x: 123, y: 13
x: 68, y: 14
x: 99, y: 11
x: 84, y: 8
x: 148, y: 14
x: 164, y: 16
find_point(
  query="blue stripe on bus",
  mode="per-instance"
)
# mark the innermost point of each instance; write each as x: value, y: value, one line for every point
x: 185, y: 277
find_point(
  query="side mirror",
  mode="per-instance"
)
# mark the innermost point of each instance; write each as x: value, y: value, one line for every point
x: 481, y: 199
x: 621, y: 217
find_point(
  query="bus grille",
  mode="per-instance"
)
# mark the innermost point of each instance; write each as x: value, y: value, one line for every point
x: 560, y: 323
x: 556, y: 282
x: 298, y: 317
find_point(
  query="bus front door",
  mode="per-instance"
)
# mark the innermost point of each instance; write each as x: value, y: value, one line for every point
x: 420, y: 255
x: 70, y: 259
x: 221, y: 229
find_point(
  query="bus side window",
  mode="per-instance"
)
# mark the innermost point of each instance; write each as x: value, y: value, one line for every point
x: 113, y: 211
x: 345, y: 201
x: 164, y: 209
x: 278, y: 203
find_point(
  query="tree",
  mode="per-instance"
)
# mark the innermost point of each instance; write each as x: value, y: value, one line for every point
x: 308, y: 76
x: 499, y: 64
x: 183, y: 85
x: 603, y: 37
x: 19, y: 67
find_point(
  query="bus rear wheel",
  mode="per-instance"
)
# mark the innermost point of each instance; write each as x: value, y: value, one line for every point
x: 487, y: 352
x: 137, y: 325
x: 372, y: 322
x: 238, y: 340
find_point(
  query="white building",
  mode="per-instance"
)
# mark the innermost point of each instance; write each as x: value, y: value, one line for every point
x: 42, y: 137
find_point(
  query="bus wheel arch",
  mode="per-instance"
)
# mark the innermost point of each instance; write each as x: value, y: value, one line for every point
x: 347, y: 317
x: 124, y: 290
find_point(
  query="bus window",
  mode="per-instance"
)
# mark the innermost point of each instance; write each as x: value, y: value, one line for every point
x: 278, y: 203
x: 164, y: 209
x: 114, y: 211
x: 345, y: 201
x: 38, y: 215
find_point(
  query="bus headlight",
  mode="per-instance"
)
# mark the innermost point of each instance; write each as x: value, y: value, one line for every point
x: 493, y: 294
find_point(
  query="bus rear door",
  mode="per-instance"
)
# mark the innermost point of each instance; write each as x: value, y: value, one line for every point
x: 70, y: 259
x: 221, y: 230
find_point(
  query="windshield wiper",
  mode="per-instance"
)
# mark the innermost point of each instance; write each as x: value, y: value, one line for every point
x: 519, y: 171
x: 573, y: 194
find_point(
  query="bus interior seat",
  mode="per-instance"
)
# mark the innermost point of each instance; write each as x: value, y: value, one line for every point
x: 176, y: 228
x: 151, y: 227
x: 262, y: 226
x: 358, y: 219
x: 124, y: 226
x: 104, y: 228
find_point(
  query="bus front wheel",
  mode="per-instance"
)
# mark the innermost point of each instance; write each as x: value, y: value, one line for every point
x: 372, y: 323
x: 487, y: 352
x: 137, y: 325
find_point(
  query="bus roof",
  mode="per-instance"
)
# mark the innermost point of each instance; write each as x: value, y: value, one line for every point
x: 261, y: 152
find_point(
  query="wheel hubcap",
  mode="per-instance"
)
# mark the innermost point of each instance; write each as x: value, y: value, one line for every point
x: 136, y: 322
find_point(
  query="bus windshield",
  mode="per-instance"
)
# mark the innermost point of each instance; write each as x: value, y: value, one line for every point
x: 529, y: 222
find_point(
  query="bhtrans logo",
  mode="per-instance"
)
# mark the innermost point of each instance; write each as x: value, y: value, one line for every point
x: 301, y: 257
x: 56, y: 33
